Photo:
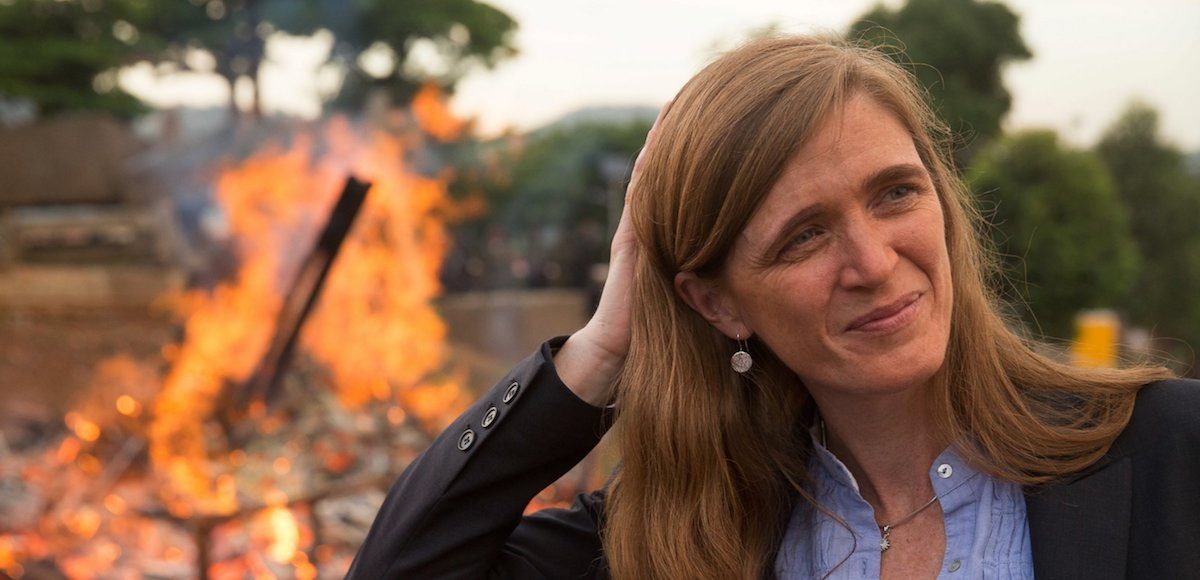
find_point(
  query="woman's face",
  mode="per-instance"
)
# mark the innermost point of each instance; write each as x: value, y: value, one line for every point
x: 843, y: 270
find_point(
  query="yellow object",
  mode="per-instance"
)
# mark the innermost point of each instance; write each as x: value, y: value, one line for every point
x: 1096, y: 334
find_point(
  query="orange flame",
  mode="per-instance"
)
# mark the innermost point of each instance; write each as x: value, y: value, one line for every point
x: 430, y: 110
x: 375, y: 328
x: 9, y: 562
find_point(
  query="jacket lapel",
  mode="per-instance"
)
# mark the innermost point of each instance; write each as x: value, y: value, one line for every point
x: 1080, y: 528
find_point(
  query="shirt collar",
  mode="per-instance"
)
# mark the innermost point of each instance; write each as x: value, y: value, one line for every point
x: 947, y: 472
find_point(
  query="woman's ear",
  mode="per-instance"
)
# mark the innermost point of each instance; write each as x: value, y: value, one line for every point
x: 712, y: 303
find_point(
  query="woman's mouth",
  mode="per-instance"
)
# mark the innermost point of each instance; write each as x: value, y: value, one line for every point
x: 888, y: 317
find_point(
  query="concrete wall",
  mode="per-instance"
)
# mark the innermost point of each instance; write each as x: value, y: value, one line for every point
x: 71, y: 159
x: 85, y: 287
x: 510, y: 324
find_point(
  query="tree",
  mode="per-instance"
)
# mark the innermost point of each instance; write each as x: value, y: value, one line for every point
x: 234, y: 33
x: 459, y: 35
x: 63, y: 55
x: 1062, y: 232
x: 1164, y: 205
x: 550, y: 195
x: 958, y: 49
x: 456, y: 35
x: 562, y: 172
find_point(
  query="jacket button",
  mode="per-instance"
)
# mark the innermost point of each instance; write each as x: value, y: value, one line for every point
x: 489, y: 417
x: 465, y: 440
x: 511, y: 393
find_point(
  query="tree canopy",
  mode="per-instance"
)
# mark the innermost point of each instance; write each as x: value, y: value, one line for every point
x: 63, y: 54
x: 1164, y: 205
x: 957, y: 49
x: 1062, y: 232
x: 456, y: 35
x: 561, y: 173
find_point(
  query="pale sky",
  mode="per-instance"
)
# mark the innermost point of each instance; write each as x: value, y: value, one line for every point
x: 1091, y: 57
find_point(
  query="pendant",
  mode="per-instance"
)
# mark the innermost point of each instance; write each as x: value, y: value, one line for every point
x: 885, y: 542
x: 741, y: 361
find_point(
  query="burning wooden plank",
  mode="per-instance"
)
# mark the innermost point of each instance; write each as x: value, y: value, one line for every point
x: 303, y: 294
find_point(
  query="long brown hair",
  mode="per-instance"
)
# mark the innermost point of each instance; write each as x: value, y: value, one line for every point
x: 712, y: 461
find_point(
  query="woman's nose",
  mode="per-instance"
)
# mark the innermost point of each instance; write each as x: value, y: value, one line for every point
x: 869, y: 257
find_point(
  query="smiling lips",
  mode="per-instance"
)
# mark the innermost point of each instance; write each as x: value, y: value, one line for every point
x: 889, y: 317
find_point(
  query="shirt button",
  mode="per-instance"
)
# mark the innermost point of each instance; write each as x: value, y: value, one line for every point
x: 511, y: 393
x: 955, y: 565
x: 465, y: 440
x: 945, y: 471
x: 489, y: 417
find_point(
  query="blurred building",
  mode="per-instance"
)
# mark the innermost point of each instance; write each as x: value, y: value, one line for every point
x: 80, y: 224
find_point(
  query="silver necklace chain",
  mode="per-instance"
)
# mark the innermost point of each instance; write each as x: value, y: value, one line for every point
x: 885, y: 540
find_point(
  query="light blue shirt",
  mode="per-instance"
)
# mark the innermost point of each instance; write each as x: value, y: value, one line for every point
x: 987, y: 535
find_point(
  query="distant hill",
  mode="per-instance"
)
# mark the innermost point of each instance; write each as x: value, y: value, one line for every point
x: 1191, y: 164
x: 601, y: 114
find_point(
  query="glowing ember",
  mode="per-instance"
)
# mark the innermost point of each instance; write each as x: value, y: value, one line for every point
x: 8, y: 557
x: 83, y: 428
x: 285, y: 534
x: 127, y: 406
x: 83, y: 523
x: 89, y: 464
x: 114, y: 504
x: 68, y: 450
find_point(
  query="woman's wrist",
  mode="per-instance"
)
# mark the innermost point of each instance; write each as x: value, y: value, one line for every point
x: 588, y: 369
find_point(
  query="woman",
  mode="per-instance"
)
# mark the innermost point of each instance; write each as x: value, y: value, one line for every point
x: 793, y: 207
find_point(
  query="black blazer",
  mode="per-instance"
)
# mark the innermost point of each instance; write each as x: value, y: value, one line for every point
x: 456, y: 512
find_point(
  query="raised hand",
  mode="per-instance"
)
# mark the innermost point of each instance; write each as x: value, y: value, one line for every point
x: 590, y: 360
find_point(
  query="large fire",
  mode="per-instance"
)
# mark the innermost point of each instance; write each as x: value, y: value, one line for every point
x: 374, y: 343
x: 375, y: 328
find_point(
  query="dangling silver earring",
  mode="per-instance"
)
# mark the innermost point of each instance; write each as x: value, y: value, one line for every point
x: 741, y: 361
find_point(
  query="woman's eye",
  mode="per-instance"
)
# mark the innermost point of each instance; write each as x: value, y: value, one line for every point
x: 899, y: 192
x: 805, y: 236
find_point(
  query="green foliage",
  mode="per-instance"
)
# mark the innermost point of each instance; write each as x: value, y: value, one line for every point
x: 465, y: 33
x: 1061, y: 230
x: 559, y: 175
x: 60, y: 54
x: 462, y: 33
x: 55, y: 50
x: 549, y: 195
x: 1164, y: 205
x: 958, y: 48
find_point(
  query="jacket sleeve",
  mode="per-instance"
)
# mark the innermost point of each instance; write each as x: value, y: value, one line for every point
x: 456, y: 511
